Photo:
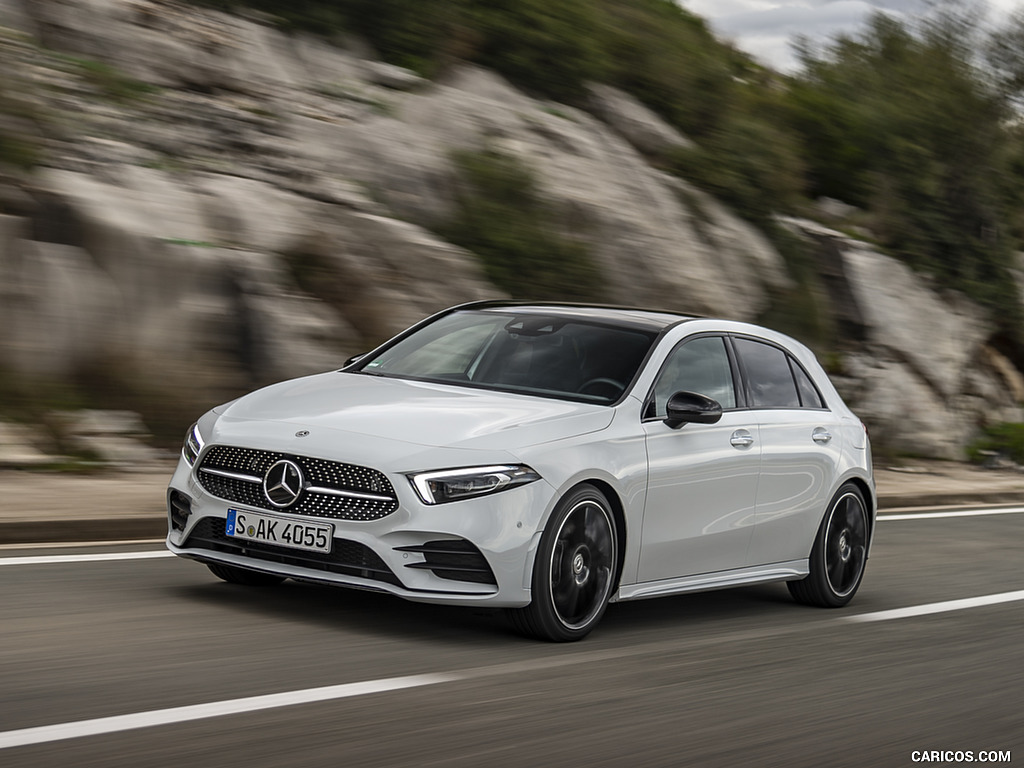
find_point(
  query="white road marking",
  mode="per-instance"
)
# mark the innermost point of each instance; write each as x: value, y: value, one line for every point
x: 944, y: 607
x: 118, y: 723
x: 93, y: 558
x: 61, y: 731
x: 79, y: 544
x: 955, y: 513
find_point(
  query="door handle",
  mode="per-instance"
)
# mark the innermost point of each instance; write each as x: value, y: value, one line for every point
x: 821, y: 436
x: 741, y: 439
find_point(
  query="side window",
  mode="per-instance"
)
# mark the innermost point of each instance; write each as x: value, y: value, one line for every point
x: 770, y: 380
x: 700, y: 366
x: 809, y: 395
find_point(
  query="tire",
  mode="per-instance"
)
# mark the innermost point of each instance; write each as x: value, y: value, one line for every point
x: 234, y: 575
x: 574, y: 573
x: 839, y: 554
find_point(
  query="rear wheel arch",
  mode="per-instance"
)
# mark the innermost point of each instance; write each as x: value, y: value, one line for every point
x: 869, y: 501
x: 839, y: 554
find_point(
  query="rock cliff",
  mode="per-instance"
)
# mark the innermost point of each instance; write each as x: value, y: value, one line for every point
x: 220, y: 205
x: 920, y: 365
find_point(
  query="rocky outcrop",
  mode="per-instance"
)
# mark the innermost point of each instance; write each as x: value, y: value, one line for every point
x: 19, y: 449
x: 925, y: 372
x: 649, y: 241
x: 239, y: 205
x: 634, y: 122
x: 14, y: 16
x: 222, y: 204
x: 1018, y: 274
x: 111, y: 437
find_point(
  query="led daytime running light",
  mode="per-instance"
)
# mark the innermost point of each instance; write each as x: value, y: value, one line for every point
x: 193, y: 445
x: 455, y: 484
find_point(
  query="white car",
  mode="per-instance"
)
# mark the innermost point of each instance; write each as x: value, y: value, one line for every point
x: 547, y: 459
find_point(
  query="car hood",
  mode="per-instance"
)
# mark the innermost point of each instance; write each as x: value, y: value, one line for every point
x: 416, y: 412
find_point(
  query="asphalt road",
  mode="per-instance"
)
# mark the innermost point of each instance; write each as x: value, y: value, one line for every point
x: 744, y: 677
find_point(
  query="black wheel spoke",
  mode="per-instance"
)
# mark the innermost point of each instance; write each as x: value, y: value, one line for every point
x: 845, y: 544
x: 581, y: 560
x: 851, y: 512
x: 836, y: 568
x: 858, y: 525
x: 557, y: 565
x: 598, y: 536
x: 562, y: 599
x: 574, y: 608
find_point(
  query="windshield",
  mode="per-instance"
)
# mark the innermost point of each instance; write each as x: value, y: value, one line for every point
x: 538, y: 354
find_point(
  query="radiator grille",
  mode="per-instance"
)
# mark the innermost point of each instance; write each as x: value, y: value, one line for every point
x: 332, y: 489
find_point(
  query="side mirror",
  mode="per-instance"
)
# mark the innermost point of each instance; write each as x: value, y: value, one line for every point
x: 354, y: 359
x: 691, y: 408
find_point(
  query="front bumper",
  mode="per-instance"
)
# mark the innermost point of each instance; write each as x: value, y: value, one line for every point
x: 423, y: 553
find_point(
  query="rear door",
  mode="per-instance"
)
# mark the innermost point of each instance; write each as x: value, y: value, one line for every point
x: 801, y: 448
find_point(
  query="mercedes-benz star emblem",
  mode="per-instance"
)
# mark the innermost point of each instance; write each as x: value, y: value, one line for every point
x: 283, y: 483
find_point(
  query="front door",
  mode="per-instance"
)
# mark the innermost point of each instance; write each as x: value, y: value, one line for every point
x: 702, y: 478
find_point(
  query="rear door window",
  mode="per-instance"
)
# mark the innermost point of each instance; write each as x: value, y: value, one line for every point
x: 769, y: 377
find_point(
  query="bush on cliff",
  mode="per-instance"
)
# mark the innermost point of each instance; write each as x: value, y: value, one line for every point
x: 1003, y: 440
x: 504, y: 221
x: 19, y: 113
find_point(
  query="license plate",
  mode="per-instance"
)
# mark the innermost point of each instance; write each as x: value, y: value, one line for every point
x: 269, y: 529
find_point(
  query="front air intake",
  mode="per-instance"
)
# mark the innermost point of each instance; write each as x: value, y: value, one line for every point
x: 453, y: 559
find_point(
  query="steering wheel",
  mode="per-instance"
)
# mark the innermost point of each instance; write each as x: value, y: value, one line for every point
x: 611, y: 386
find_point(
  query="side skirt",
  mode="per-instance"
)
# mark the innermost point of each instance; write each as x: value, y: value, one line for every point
x: 788, y: 571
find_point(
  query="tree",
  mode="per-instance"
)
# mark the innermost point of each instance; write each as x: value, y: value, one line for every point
x: 901, y: 120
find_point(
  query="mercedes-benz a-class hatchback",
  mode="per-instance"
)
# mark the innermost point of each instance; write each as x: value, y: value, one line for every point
x: 547, y: 459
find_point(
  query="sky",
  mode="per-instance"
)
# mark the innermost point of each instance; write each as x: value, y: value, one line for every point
x: 765, y: 28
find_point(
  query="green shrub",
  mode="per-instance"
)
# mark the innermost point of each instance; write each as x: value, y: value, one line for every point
x: 669, y: 59
x: 111, y: 82
x: 1004, y: 439
x: 802, y: 310
x: 19, y: 113
x: 550, y: 48
x: 504, y: 221
x: 747, y: 163
x: 17, y: 149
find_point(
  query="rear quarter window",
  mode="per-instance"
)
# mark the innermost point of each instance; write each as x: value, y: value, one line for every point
x: 809, y: 395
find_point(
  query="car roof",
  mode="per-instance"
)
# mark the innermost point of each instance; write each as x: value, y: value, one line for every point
x: 646, y: 319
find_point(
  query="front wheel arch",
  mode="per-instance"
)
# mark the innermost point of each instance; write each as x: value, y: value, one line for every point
x: 575, y: 569
x: 619, y: 517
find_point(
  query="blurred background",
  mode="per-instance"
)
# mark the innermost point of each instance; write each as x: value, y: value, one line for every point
x: 199, y: 198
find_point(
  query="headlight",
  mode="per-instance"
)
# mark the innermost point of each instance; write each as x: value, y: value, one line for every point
x: 193, y: 445
x: 455, y: 484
